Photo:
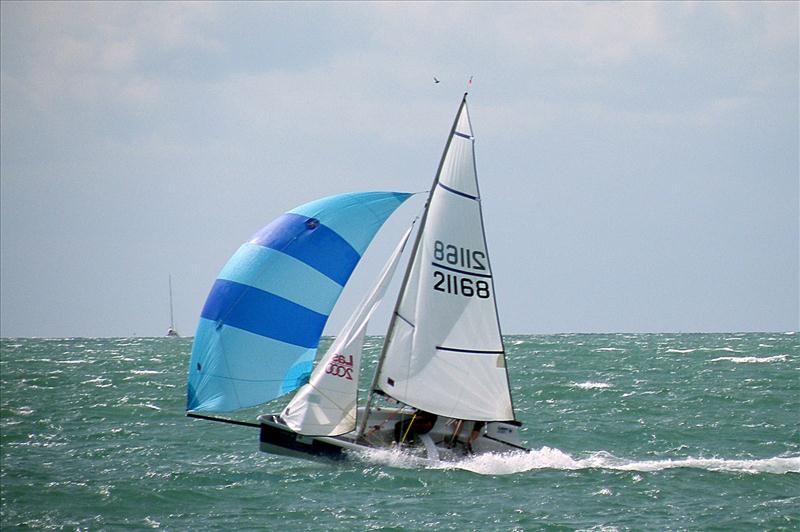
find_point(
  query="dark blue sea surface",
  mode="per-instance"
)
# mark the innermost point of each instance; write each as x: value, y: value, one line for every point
x: 627, y: 431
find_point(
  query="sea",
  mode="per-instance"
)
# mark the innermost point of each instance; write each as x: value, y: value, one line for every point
x: 626, y: 432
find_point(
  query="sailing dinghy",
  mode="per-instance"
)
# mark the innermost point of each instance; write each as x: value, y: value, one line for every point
x: 440, y: 388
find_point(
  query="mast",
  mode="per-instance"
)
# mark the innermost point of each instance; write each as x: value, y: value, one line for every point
x: 363, y: 424
x: 171, y: 318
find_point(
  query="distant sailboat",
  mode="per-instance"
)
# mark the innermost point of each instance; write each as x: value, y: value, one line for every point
x: 171, y: 331
x: 440, y: 387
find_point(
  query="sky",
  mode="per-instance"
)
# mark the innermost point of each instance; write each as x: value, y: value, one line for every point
x: 638, y: 161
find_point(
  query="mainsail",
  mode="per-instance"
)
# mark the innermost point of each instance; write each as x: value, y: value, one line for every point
x: 326, y: 406
x: 444, y: 352
x: 261, y: 324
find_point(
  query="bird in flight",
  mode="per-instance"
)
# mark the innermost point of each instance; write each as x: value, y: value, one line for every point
x: 435, y: 79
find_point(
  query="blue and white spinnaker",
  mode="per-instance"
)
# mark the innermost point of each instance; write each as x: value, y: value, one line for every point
x: 262, y: 321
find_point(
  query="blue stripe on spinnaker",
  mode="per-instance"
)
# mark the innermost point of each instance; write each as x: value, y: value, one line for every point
x: 462, y: 135
x: 369, y: 209
x: 258, y: 373
x: 263, y: 313
x: 309, y: 240
x: 277, y: 273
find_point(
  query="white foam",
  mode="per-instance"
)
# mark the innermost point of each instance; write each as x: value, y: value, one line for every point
x: 591, y: 385
x: 550, y: 458
x: 752, y: 360
x: 395, y: 457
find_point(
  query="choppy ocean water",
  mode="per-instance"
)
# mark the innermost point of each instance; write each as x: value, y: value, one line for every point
x: 628, y: 431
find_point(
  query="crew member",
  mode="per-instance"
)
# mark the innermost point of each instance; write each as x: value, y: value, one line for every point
x: 420, y: 423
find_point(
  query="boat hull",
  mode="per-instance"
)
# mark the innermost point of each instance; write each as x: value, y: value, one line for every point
x: 276, y: 438
x: 437, y: 446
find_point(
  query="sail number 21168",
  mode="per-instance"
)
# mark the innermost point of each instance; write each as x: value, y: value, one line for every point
x: 455, y: 280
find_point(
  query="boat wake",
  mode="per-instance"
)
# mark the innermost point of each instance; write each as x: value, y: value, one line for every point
x: 549, y: 458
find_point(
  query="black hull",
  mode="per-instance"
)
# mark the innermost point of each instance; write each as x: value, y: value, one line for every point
x: 277, y: 440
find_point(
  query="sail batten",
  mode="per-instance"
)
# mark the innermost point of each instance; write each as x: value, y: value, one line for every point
x: 260, y: 327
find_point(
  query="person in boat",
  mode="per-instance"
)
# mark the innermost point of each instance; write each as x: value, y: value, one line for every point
x: 477, y: 426
x: 420, y: 423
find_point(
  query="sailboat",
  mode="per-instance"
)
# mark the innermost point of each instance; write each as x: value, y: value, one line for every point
x: 172, y: 331
x: 440, y: 388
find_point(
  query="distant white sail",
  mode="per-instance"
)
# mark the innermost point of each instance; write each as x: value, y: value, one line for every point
x: 326, y: 405
x: 444, y: 351
x: 172, y: 331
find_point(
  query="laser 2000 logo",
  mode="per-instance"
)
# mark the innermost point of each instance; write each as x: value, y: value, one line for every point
x: 341, y: 367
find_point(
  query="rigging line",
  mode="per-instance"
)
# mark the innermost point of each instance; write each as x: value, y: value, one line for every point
x: 520, y: 447
x: 223, y: 420
x: 408, y: 428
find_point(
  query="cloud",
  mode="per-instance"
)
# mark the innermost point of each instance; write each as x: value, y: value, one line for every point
x: 173, y: 124
x: 151, y: 56
x: 62, y: 51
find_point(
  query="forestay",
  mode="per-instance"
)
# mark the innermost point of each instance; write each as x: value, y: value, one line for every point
x: 326, y: 406
x: 444, y: 351
x: 261, y: 324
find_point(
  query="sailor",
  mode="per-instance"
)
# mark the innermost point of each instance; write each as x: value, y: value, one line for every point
x: 420, y: 423
x: 476, y: 431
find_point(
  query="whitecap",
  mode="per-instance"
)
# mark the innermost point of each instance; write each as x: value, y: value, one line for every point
x: 752, y: 360
x: 101, y: 382
x: 149, y: 405
x: 681, y: 351
x: 591, y: 385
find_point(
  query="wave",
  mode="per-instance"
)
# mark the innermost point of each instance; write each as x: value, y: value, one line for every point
x: 549, y: 458
x: 591, y: 385
x: 752, y: 360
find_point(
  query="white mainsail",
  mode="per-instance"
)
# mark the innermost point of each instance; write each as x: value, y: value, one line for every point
x: 326, y: 405
x: 444, y: 351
